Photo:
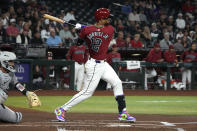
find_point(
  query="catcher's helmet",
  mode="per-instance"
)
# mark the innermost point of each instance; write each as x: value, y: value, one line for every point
x: 5, y: 57
x: 101, y: 13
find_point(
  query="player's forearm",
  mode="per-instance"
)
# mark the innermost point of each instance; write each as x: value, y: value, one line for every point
x: 21, y: 88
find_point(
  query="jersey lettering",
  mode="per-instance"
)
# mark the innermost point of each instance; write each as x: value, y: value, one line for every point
x: 95, y: 44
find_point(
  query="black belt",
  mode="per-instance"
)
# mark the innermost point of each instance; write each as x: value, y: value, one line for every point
x: 97, y: 61
x: 79, y: 63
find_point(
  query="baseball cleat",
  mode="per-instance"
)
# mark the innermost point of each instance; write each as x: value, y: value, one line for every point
x: 59, y: 112
x: 124, y: 116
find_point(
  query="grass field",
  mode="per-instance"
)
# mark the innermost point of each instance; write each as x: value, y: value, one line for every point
x: 168, y: 105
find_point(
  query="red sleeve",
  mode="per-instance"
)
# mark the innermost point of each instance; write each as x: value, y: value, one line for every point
x: 149, y: 56
x: 140, y: 44
x: 166, y: 56
x: 183, y: 55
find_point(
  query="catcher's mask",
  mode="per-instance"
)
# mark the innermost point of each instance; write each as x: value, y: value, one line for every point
x: 7, y: 61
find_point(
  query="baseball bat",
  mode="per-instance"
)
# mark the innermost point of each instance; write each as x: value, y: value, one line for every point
x: 53, y: 18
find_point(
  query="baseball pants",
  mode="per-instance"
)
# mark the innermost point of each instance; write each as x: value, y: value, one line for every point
x: 149, y: 73
x: 96, y: 70
x: 7, y: 115
x: 186, y: 76
x: 79, y: 75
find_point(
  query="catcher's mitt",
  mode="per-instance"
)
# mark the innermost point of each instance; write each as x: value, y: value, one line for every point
x: 33, y: 99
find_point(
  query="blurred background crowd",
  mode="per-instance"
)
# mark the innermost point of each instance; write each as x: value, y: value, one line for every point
x: 139, y: 24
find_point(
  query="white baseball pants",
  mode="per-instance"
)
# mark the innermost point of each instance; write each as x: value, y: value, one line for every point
x: 95, y: 70
x: 186, y: 76
x: 149, y: 73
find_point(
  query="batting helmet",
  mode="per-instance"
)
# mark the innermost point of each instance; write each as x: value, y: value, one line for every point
x: 101, y: 13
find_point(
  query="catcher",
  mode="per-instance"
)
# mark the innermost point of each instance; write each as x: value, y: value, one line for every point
x: 7, y: 76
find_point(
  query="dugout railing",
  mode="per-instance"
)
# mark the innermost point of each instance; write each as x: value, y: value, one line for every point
x: 47, y: 63
x: 168, y: 66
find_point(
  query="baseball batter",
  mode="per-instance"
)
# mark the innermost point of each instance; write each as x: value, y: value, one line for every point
x: 98, y: 37
x: 6, y: 77
x: 77, y: 53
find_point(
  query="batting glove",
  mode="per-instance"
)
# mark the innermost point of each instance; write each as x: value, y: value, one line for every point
x: 79, y: 26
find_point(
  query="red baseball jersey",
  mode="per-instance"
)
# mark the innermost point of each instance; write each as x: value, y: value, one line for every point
x: 154, y: 56
x: 113, y: 57
x: 77, y: 53
x: 98, y: 39
x: 120, y: 43
x: 136, y: 44
x: 169, y: 56
x: 189, y: 56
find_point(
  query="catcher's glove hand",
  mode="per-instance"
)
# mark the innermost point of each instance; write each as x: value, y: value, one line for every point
x: 33, y: 99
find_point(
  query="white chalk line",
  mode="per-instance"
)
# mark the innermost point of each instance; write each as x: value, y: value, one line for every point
x: 142, y: 124
x: 168, y: 101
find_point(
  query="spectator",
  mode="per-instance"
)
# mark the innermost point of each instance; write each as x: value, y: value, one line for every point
x: 180, y: 22
x: 143, y: 18
x: 186, y: 42
x: 164, y: 44
x: 12, y: 31
x: 120, y: 39
x: 126, y: 8
x: 154, y: 55
x: 178, y: 46
x: 188, y: 7
x: 170, y: 21
x: 65, y: 34
x: 45, y: 33
x: 134, y: 16
x: 69, y: 16
x: 172, y: 34
x: 74, y: 34
x: 5, y: 20
x: 20, y: 24
x: 131, y: 27
x: 188, y: 56
x: 154, y: 32
x: 128, y: 40
x: 54, y: 40
x: 2, y: 34
x: 179, y: 34
x: 191, y: 36
x: 119, y: 25
x: 161, y: 34
x: 136, y: 43
x: 37, y: 39
x: 146, y: 36
x: 26, y: 27
x: 23, y: 39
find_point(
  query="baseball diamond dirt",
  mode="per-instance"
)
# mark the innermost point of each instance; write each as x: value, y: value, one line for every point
x: 42, y: 121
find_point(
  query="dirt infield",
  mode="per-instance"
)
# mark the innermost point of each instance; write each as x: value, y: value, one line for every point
x: 42, y: 121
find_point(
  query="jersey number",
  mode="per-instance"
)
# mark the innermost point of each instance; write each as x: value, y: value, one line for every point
x: 95, y: 44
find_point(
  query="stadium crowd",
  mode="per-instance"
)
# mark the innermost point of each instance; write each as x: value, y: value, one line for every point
x: 139, y: 24
x: 144, y: 23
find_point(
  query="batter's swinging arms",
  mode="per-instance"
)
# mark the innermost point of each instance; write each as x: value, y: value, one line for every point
x: 98, y: 38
